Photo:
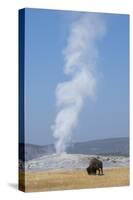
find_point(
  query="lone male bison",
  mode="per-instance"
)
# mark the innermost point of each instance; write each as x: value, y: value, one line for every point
x: 95, y: 165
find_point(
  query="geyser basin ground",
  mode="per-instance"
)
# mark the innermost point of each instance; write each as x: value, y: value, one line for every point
x: 68, y: 171
x: 72, y: 161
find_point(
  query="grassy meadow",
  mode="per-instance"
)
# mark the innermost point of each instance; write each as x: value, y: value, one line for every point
x: 75, y: 179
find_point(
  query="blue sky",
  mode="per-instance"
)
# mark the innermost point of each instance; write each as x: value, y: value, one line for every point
x: 107, y: 116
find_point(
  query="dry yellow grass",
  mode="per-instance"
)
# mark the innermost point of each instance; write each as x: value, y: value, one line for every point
x: 60, y: 180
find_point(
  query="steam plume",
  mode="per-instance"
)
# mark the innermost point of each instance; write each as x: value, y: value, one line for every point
x: 80, y: 59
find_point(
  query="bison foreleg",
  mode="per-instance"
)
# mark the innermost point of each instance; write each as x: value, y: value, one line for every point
x: 99, y: 171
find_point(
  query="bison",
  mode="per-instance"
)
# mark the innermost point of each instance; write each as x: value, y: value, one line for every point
x: 95, y: 165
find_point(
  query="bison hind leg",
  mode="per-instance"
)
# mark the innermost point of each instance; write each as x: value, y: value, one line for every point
x: 102, y: 171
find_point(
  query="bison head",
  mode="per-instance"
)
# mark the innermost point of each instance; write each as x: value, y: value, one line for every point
x: 91, y: 171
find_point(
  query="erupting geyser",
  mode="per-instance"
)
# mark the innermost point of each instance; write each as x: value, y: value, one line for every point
x: 80, y: 56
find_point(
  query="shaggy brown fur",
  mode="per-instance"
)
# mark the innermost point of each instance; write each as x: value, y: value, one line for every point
x: 95, y: 165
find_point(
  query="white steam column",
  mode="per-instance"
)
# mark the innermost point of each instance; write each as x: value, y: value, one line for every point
x: 80, y: 60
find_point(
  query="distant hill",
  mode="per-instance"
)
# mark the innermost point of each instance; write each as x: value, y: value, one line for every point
x: 111, y: 146
x: 34, y: 151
